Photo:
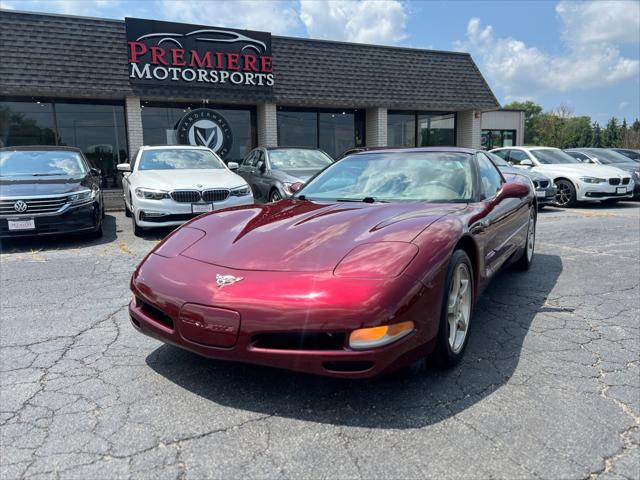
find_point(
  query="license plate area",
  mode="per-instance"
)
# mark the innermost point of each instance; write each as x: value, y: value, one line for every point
x: 541, y: 193
x: 210, y: 326
x: 22, y: 224
x: 201, y: 207
x: 621, y: 190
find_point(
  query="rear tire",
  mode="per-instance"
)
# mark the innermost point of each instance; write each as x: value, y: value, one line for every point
x: 565, y: 194
x: 457, y: 306
x: 525, y: 261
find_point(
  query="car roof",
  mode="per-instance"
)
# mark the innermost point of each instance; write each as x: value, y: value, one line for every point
x: 292, y: 148
x: 526, y: 148
x: 40, y: 147
x: 419, y: 149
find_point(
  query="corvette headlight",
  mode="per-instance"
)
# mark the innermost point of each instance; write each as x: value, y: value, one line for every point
x: 376, y: 260
x: 82, y: 196
x: 372, y: 337
x: 150, y: 194
x: 240, y: 191
x: 593, y: 180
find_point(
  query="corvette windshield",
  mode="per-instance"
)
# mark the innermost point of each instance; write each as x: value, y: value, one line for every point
x: 41, y: 163
x: 298, y: 159
x: 549, y: 156
x: 179, y: 159
x: 399, y: 176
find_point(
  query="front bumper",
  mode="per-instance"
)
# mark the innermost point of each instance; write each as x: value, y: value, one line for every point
x: 296, y: 321
x: 79, y: 219
x: 546, y: 196
x: 603, y: 191
x: 169, y: 213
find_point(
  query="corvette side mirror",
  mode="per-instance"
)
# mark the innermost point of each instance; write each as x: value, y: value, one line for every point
x: 513, y: 190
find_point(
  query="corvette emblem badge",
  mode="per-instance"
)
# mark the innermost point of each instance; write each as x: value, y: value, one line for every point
x: 224, y: 280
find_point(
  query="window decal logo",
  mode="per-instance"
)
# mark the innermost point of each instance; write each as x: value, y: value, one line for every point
x: 207, y: 128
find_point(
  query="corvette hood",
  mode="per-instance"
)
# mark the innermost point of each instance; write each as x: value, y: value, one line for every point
x: 296, y: 235
x: 186, y: 179
x: 579, y: 169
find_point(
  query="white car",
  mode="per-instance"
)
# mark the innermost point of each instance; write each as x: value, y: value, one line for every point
x: 575, y: 181
x: 168, y: 185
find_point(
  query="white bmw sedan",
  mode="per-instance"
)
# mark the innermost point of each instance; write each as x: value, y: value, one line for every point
x: 575, y: 181
x: 168, y: 185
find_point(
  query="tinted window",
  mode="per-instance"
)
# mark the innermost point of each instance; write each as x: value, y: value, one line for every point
x: 248, y: 162
x: 393, y: 176
x: 178, y: 159
x: 609, y: 156
x: 401, y: 129
x: 579, y: 156
x: 298, y: 129
x: 490, y: 178
x: 516, y: 156
x: 436, y: 130
x: 553, y: 156
x: 501, y: 153
x: 298, y: 159
x: 41, y: 163
x: 500, y: 162
x: 338, y: 132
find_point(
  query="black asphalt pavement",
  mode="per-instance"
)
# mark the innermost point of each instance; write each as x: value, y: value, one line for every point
x: 549, y: 388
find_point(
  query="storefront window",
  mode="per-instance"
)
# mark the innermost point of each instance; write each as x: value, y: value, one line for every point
x: 421, y: 129
x: 401, y: 129
x: 26, y: 123
x: 333, y: 131
x: 436, y: 130
x: 297, y: 128
x: 498, y: 138
x: 98, y: 129
x: 160, y: 121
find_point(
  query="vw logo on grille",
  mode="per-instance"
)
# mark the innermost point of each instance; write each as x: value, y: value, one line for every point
x: 20, y: 206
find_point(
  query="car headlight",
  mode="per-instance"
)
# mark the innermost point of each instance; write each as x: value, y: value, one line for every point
x: 376, y: 260
x: 372, y: 337
x: 593, y: 180
x: 240, y: 191
x: 150, y: 194
x: 82, y: 196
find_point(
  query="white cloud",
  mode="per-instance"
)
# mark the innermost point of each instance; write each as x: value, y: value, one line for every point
x: 6, y: 5
x: 367, y: 21
x: 623, y: 105
x: 278, y: 17
x: 525, y: 71
x: 593, y: 22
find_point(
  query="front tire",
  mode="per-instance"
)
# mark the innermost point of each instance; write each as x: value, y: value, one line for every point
x: 565, y: 193
x: 275, y: 196
x: 525, y: 261
x: 137, y: 230
x: 457, y: 305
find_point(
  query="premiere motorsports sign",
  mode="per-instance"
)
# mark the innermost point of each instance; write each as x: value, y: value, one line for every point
x: 176, y: 53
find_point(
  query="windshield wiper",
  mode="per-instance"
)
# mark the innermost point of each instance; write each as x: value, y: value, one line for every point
x: 363, y: 200
x: 45, y: 174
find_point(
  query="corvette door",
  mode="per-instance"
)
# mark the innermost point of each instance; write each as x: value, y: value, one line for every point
x: 501, y: 228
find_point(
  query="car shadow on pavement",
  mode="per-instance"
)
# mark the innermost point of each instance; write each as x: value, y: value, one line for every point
x: 61, y: 242
x: 500, y: 325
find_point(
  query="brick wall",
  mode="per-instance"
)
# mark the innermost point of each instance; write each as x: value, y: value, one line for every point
x: 468, y: 129
x: 134, y: 125
x: 267, y: 125
x: 376, y: 127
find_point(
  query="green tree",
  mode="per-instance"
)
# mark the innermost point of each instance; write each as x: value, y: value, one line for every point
x: 578, y: 133
x: 612, y: 134
x: 597, y: 135
x: 532, y: 112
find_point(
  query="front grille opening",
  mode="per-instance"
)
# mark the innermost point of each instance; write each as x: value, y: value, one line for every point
x: 219, y: 195
x: 614, y: 181
x: 186, y: 196
x: 347, y: 366
x: 300, y: 341
x: 155, y: 314
x: 625, y: 181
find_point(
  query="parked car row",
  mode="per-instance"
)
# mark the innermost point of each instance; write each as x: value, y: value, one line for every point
x: 49, y: 190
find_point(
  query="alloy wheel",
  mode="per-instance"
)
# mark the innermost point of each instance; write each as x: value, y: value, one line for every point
x: 459, y: 307
x: 531, y: 237
x: 275, y: 196
x: 563, y: 193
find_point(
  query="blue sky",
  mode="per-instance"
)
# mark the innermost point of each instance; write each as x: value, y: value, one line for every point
x: 583, y: 54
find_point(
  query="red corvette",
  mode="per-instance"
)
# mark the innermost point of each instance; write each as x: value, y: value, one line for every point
x: 374, y: 264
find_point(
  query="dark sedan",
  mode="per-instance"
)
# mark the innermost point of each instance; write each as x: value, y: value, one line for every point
x: 48, y: 190
x: 629, y: 153
x: 275, y: 173
x: 545, y: 188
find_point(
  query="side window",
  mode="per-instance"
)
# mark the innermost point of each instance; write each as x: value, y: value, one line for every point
x: 490, y: 178
x: 259, y: 158
x: 501, y: 153
x: 579, y: 156
x: 248, y: 159
x: 516, y: 156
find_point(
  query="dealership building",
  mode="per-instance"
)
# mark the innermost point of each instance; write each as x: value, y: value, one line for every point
x: 109, y: 86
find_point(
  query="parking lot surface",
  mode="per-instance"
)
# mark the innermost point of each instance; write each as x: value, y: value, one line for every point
x: 549, y: 387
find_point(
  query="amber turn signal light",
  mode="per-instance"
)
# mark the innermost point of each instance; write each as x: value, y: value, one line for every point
x: 378, y: 336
